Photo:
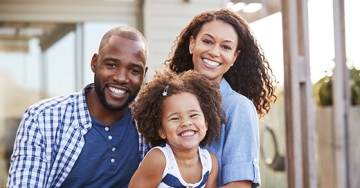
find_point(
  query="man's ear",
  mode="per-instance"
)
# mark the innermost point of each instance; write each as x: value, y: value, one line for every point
x: 94, y: 60
x: 146, y: 69
x: 161, y: 133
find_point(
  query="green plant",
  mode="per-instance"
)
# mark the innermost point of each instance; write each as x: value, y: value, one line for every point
x: 323, y: 89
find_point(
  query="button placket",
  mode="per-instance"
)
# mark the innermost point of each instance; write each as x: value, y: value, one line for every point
x: 112, y: 148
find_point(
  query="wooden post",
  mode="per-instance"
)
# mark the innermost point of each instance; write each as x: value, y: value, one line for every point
x: 299, y: 105
x: 341, y: 96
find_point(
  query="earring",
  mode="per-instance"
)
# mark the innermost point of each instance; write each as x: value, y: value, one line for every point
x: 190, y: 51
x: 232, y: 64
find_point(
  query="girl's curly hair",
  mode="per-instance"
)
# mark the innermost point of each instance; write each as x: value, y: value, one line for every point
x: 250, y: 75
x: 147, y: 109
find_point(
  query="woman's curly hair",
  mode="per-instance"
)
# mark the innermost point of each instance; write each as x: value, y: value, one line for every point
x: 250, y: 75
x: 147, y: 109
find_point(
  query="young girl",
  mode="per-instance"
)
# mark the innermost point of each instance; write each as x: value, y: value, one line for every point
x: 178, y: 114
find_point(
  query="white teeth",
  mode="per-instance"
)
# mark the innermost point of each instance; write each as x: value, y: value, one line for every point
x: 117, y: 91
x: 188, y: 133
x: 212, y: 63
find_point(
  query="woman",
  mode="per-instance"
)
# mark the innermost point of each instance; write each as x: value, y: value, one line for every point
x: 220, y: 45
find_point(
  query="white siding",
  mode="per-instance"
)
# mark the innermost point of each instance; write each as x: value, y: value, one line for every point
x: 163, y: 22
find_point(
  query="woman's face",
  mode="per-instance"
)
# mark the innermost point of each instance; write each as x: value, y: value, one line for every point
x: 214, y: 49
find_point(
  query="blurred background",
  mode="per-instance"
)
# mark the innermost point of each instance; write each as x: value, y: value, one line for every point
x: 46, y: 47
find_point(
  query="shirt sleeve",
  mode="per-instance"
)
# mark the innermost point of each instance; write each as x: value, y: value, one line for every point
x: 241, y: 148
x: 28, y: 163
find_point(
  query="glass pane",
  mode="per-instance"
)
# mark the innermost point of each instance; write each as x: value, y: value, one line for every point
x: 60, y: 60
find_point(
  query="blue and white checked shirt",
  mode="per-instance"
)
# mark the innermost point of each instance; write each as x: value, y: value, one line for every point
x: 50, y: 139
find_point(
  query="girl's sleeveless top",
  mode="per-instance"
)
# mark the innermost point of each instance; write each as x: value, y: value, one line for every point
x: 172, y: 177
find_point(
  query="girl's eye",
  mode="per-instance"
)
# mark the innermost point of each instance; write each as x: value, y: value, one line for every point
x: 174, y: 119
x: 193, y: 115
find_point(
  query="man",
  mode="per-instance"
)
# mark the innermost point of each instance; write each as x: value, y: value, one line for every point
x: 86, y: 139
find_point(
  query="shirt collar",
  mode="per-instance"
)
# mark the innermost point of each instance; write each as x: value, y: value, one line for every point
x: 225, y: 87
x: 83, y: 114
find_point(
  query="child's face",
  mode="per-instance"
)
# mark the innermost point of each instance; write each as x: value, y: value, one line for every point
x: 183, y: 122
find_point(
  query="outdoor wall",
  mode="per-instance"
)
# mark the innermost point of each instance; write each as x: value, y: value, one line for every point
x: 326, y: 147
x: 163, y: 22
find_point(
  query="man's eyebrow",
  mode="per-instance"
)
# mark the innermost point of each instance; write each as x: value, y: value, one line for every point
x: 115, y: 60
x: 112, y: 59
x: 137, y: 65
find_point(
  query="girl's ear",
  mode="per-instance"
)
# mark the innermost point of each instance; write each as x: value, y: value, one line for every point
x: 161, y: 133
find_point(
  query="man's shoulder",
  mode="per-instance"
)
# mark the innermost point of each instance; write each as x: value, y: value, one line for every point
x: 55, y: 102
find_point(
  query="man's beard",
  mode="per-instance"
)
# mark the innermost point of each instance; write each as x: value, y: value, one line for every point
x: 101, y: 95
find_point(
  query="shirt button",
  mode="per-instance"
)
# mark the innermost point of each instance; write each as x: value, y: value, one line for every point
x: 113, y: 149
x: 109, y: 137
x: 112, y: 160
x: 255, y: 160
x: 106, y: 128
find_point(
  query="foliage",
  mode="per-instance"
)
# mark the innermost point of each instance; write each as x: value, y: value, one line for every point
x: 323, y: 89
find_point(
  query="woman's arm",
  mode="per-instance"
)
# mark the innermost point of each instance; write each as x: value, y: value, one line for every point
x: 149, y: 173
x: 238, y: 184
x: 212, y: 180
x: 241, y: 149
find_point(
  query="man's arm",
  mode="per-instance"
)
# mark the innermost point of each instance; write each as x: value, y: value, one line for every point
x: 28, y: 162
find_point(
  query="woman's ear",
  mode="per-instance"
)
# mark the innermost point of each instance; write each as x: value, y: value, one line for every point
x: 161, y: 133
x: 236, y: 55
x: 191, y: 44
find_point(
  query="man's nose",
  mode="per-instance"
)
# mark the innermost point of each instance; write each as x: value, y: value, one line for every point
x: 121, y: 75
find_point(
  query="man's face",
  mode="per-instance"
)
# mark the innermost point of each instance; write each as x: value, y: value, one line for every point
x: 120, y: 68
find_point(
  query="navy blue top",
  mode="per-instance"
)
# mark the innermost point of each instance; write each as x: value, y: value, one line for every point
x: 109, y: 158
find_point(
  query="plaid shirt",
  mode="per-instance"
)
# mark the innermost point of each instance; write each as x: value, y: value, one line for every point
x: 50, y: 139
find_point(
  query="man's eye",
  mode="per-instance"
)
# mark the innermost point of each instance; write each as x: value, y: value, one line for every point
x: 111, y: 65
x: 135, y: 70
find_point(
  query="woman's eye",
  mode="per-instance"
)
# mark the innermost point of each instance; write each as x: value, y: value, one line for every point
x: 227, y: 47
x: 207, y: 41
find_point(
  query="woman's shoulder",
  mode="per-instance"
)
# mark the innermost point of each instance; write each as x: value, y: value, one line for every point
x: 236, y: 100
x: 231, y: 96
